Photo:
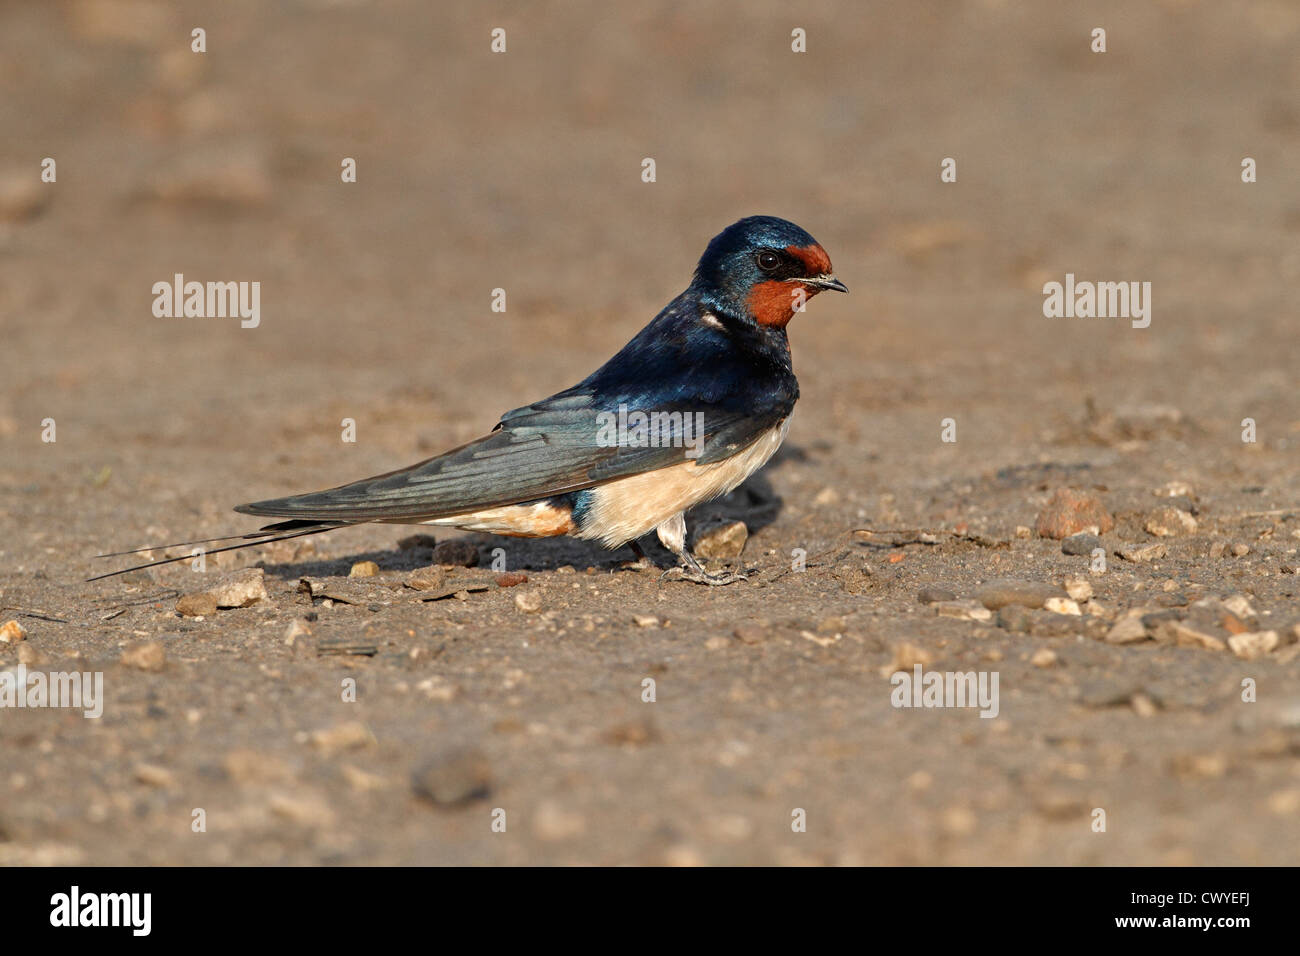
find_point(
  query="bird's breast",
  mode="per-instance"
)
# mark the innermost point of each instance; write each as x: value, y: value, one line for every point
x: 622, y: 510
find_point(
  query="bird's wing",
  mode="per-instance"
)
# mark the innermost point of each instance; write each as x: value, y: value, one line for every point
x: 552, y: 447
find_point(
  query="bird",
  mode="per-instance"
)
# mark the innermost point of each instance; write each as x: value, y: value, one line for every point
x: 694, y: 404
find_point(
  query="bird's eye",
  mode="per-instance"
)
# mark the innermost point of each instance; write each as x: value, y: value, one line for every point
x: 767, y: 261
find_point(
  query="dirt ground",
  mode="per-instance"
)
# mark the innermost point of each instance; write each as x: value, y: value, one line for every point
x: 477, y: 702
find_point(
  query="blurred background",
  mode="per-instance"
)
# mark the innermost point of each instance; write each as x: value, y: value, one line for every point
x: 522, y: 171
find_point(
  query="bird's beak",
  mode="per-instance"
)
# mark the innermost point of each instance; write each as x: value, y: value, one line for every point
x: 826, y: 282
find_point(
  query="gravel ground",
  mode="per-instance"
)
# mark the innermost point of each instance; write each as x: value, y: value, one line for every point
x: 416, y: 710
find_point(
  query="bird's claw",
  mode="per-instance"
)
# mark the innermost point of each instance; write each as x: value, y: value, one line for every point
x: 700, y: 576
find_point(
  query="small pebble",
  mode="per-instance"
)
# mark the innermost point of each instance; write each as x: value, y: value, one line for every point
x: 958, y: 822
x: 1284, y: 803
x: 1127, y: 630
x: 1254, y: 644
x: 426, y: 579
x: 453, y: 778
x: 1080, y: 589
x: 1209, y: 766
x: 722, y: 541
x: 1059, y: 605
x: 1143, y: 705
x: 1185, y: 635
x: 11, y: 632
x: 23, y: 195
x: 1052, y: 624
x: 203, y: 604
x: 155, y: 776
x: 364, y: 569
x: 1043, y: 657
x: 530, y: 601
x: 1070, y: 512
x: 1107, y: 692
x: 245, y: 765
x: 906, y: 657
x: 350, y: 735
x: 145, y: 656
x: 1080, y: 544
x: 1170, y: 522
x: 363, y: 781
x: 632, y: 734
x: 241, y: 589
x: 827, y: 496
x: 1143, y: 553
x: 998, y: 594
x: 1233, y: 624
x: 309, y: 809
x: 751, y: 634
x: 231, y: 178
x: 1175, y: 489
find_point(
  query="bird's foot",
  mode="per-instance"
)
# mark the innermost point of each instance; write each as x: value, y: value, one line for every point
x: 699, y: 576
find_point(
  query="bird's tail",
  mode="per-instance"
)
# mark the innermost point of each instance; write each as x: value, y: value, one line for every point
x: 280, y: 531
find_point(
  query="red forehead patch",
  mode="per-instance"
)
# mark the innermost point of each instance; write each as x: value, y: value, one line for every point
x: 814, y: 258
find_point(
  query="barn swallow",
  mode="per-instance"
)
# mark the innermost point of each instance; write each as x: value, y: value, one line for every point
x: 693, y: 405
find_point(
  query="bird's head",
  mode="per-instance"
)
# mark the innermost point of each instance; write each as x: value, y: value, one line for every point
x: 763, y: 268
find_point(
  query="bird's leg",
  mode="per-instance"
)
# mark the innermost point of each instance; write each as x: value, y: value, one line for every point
x: 642, y: 559
x: 672, y: 535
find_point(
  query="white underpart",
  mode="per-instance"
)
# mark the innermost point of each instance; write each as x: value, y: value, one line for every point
x: 624, y: 509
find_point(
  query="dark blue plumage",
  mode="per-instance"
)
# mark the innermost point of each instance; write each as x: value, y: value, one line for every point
x: 727, y: 271
x: 736, y: 367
